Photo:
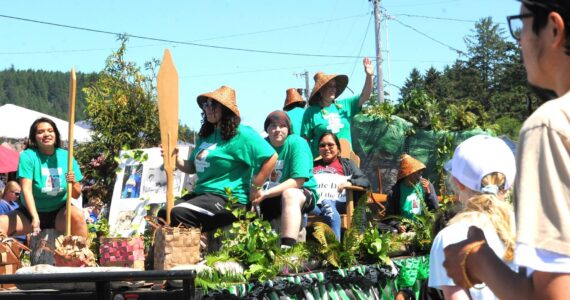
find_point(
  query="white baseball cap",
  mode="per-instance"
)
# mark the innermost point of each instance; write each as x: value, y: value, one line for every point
x: 479, y: 156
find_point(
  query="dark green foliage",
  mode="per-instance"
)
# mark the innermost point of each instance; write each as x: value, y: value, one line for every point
x: 477, y: 90
x: 43, y: 91
x: 251, y: 242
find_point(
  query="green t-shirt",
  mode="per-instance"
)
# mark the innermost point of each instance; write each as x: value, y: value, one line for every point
x: 294, y: 161
x: 229, y: 164
x: 296, y: 117
x: 47, y: 173
x: 411, y: 201
x: 335, y: 118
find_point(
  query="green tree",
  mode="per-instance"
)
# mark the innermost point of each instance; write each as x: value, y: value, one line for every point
x: 414, y: 82
x: 123, y: 112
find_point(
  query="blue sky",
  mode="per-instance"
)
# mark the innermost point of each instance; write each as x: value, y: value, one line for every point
x: 315, y: 27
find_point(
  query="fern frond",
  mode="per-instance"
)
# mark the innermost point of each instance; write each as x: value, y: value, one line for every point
x: 324, y: 234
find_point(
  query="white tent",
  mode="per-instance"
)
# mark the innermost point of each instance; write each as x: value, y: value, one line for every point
x: 15, y: 122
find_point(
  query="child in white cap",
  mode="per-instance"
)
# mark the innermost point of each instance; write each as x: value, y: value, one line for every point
x: 482, y: 169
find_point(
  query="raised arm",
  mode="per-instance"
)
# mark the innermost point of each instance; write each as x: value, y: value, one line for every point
x: 367, y: 89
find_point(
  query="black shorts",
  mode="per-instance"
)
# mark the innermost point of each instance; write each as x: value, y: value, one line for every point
x: 47, y: 219
x: 271, y: 207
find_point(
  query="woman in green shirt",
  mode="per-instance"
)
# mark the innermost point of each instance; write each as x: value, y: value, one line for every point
x: 326, y: 114
x: 227, y: 155
x: 44, y: 174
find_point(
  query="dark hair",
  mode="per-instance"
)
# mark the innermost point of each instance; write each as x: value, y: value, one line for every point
x: 278, y: 117
x: 228, y: 124
x: 34, y: 130
x: 335, y: 138
x: 300, y: 104
x: 540, y: 11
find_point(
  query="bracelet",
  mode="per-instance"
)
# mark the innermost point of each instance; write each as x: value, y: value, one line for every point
x: 470, y: 248
x: 255, y: 186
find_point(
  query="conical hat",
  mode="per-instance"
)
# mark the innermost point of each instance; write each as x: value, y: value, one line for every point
x: 409, y: 165
x: 225, y: 95
x: 293, y: 96
x: 321, y: 79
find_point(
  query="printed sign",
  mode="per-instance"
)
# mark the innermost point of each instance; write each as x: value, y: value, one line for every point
x: 328, y: 186
x: 139, y: 185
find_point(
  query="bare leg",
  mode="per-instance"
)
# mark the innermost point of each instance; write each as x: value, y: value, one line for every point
x: 14, y: 224
x: 78, y: 223
x: 292, y: 201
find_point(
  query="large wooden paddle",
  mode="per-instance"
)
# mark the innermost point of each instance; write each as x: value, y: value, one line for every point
x: 167, y: 82
x: 72, y: 84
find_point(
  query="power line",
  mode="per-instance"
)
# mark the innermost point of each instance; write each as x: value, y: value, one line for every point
x: 178, y: 42
x: 431, y: 38
x: 280, y: 28
x: 361, y: 45
x: 437, y: 18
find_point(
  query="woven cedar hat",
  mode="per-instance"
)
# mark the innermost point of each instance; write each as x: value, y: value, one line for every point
x: 293, y: 96
x: 225, y: 95
x: 409, y: 165
x: 321, y: 79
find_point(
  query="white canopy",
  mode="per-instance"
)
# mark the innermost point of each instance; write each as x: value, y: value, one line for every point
x: 15, y: 122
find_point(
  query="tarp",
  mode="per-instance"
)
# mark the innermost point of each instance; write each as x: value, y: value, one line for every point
x: 15, y: 122
x: 379, y: 144
x: 8, y: 160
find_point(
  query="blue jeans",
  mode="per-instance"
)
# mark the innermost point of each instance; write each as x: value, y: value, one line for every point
x: 330, y: 211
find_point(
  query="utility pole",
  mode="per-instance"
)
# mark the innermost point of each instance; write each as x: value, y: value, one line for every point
x: 379, y: 73
x: 306, y: 89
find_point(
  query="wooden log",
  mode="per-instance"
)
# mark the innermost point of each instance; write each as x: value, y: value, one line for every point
x: 42, y: 246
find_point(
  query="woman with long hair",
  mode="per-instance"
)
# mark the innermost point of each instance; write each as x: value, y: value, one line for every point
x: 482, y: 170
x: 227, y: 155
x: 43, y: 176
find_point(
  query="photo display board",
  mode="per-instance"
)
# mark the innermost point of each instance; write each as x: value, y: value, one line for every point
x: 141, y: 186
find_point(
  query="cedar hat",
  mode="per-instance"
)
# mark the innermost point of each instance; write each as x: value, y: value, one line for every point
x: 409, y: 165
x: 225, y: 95
x: 293, y: 96
x: 321, y: 79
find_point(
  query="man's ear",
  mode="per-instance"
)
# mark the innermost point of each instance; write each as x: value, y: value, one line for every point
x: 558, y: 27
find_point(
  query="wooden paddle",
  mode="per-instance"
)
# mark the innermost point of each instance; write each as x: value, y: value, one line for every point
x: 167, y: 82
x: 72, y: 81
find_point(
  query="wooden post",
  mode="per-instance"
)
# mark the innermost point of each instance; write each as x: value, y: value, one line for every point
x: 72, y: 81
x: 167, y: 83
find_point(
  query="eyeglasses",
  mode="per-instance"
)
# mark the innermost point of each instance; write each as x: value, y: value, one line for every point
x: 330, y: 145
x: 516, y: 24
x: 211, y: 104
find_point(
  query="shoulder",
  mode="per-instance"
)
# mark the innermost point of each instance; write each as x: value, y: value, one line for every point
x: 553, y: 114
x: 313, y: 109
x: 247, y: 131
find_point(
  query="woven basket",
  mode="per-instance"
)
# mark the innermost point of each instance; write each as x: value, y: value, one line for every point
x: 122, y: 252
x: 175, y: 246
x: 9, y: 257
x: 73, y: 251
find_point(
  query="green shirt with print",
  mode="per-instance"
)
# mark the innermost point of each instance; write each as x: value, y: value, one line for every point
x: 296, y: 117
x: 47, y: 173
x: 294, y: 161
x: 335, y: 118
x: 411, y: 202
x: 222, y: 164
